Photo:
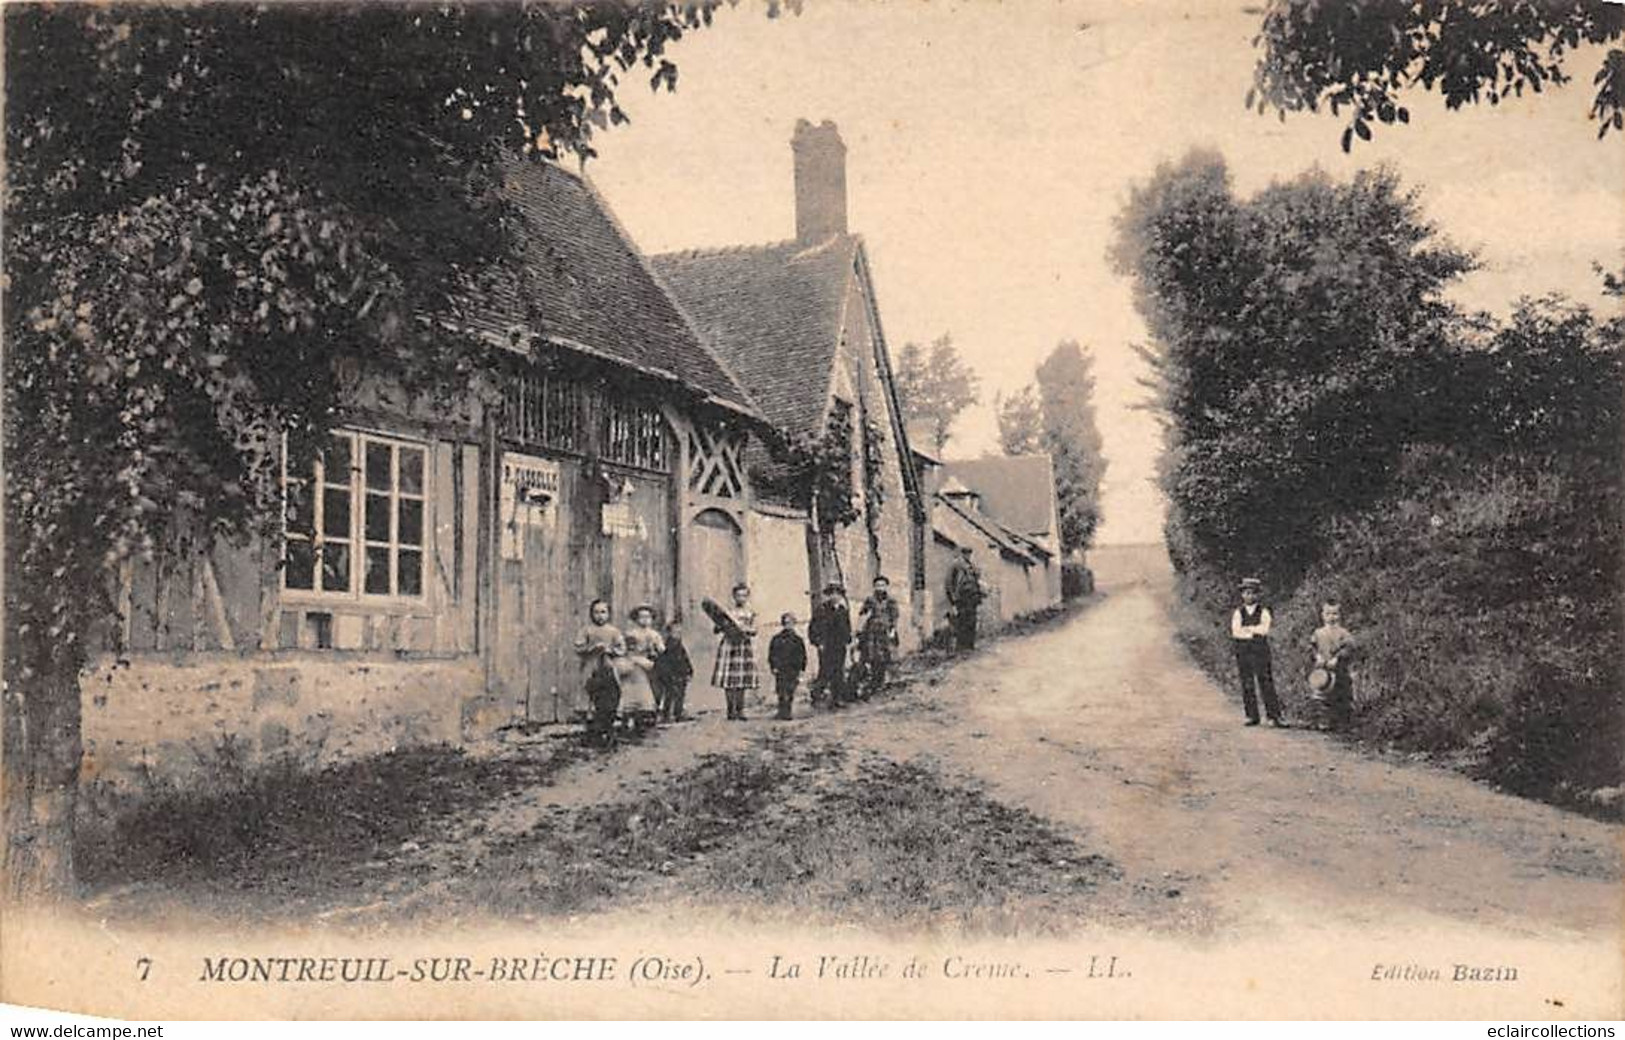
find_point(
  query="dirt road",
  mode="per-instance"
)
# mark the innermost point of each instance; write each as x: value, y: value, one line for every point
x: 1102, y: 725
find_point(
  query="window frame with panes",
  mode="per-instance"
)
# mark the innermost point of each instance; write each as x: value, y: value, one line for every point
x: 383, y: 500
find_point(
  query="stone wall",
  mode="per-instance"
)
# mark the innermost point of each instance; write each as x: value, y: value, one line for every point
x: 859, y: 381
x: 776, y: 548
x: 167, y: 722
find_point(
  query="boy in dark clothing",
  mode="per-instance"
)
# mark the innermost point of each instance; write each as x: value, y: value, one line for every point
x: 787, y: 659
x: 671, y: 673
x: 831, y: 632
x: 1250, y: 633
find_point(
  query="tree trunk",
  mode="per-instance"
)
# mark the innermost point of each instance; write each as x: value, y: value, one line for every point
x: 39, y: 771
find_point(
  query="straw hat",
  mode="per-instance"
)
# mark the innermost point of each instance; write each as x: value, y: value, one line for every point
x: 1320, y: 680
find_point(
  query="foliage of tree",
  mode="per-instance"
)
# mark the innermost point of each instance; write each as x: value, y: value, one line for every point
x: 1361, y: 56
x: 934, y: 386
x: 1066, y: 389
x: 818, y: 473
x: 1288, y: 331
x: 1334, y: 425
x: 873, y: 444
x: 212, y: 211
x: 1021, y: 422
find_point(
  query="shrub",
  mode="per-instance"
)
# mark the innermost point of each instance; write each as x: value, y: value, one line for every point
x: 1076, y: 580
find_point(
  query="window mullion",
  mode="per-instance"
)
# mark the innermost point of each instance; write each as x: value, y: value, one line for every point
x: 394, y: 517
x: 358, y: 502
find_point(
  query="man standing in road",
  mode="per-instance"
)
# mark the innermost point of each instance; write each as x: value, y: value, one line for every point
x: 964, y: 598
x: 1250, y: 632
x: 831, y: 632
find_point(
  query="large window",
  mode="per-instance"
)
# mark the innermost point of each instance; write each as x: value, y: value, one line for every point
x: 355, y: 526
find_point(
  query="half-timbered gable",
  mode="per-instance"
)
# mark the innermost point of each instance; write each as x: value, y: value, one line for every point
x: 798, y: 323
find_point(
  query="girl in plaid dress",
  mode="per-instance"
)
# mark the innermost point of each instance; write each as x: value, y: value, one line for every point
x: 735, y: 670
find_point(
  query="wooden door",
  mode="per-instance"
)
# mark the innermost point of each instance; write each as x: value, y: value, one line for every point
x: 543, y: 565
x: 715, y: 564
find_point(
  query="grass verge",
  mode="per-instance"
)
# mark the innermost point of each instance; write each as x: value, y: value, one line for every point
x: 284, y: 827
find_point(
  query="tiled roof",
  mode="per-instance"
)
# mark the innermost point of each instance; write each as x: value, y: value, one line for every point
x: 1017, y: 490
x: 1009, y: 543
x: 773, y: 313
x: 584, y: 286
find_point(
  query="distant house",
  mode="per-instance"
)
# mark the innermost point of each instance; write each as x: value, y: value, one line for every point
x: 1021, y: 574
x: 1018, y: 491
x: 436, y: 562
x: 797, y: 322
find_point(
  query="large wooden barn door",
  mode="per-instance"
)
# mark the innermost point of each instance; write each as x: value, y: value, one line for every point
x: 716, y: 563
x: 585, y: 511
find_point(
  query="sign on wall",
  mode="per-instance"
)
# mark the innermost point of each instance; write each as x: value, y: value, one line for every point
x: 528, y: 498
x: 620, y: 521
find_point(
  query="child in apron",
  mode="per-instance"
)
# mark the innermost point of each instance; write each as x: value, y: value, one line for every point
x: 643, y: 645
x: 597, y: 645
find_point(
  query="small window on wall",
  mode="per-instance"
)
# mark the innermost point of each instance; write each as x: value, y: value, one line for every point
x: 356, y: 526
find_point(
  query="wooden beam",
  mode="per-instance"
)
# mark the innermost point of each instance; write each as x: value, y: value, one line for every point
x: 217, y: 605
x: 126, y: 605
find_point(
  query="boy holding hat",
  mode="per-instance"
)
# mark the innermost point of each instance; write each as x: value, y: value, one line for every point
x: 1334, y: 648
x: 1250, y: 634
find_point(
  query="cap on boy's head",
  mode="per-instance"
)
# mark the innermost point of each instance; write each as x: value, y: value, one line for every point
x: 881, y: 579
x: 741, y: 587
x: 642, y: 608
x: 787, y: 618
x: 1251, y: 583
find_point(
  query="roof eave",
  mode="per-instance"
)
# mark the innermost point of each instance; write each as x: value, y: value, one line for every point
x: 744, y: 411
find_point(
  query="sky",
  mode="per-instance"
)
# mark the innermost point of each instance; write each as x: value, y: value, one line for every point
x: 991, y: 144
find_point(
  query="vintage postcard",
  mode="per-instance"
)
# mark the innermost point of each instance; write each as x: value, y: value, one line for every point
x: 920, y: 509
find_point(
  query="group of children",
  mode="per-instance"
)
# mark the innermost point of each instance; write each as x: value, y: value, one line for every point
x: 1332, y: 648
x: 641, y: 676
x: 633, y: 678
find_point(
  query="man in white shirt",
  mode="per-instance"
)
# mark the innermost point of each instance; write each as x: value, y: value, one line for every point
x: 1250, y: 632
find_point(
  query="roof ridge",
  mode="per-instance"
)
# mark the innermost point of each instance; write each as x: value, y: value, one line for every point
x: 696, y: 252
x: 701, y: 252
x: 1000, y: 458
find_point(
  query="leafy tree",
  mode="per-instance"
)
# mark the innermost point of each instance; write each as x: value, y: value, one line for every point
x: 1362, y: 55
x: 213, y: 212
x: 935, y: 387
x: 1291, y: 333
x: 1071, y: 435
x: 1021, y: 422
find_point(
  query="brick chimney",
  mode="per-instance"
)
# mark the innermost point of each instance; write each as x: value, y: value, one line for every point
x: 820, y: 181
